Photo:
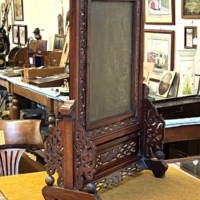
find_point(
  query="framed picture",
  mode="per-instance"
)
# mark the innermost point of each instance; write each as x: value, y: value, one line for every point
x: 160, y: 12
x: 18, y: 10
x: 190, y: 37
x: 23, y: 34
x: 190, y: 9
x: 59, y: 41
x: 165, y: 83
x: 15, y: 34
x: 153, y: 80
x: 173, y: 92
x: 159, y: 48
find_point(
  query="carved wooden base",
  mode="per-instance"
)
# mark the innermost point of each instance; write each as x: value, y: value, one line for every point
x: 158, y: 167
x: 53, y: 193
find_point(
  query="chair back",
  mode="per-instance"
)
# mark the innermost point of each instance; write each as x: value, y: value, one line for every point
x: 22, y: 133
x: 9, y: 161
x: 19, y: 136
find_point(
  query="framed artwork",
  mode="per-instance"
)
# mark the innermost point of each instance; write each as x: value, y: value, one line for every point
x: 190, y: 9
x: 165, y: 83
x: 153, y: 80
x: 59, y: 41
x: 159, y: 48
x: 160, y: 12
x: 190, y: 37
x: 18, y: 10
x: 23, y: 34
x: 15, y: 34
x: 173, y: 92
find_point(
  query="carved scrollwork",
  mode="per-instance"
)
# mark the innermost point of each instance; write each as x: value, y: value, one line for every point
x: 85, y: 150
x: 85, y: 157
x: 54, y: 153
x: 111, y: 127
x: 83, y: 53
x: 116, y: 177
x: 153, y: 129
x: 116, y: 153
x: 54, y: 145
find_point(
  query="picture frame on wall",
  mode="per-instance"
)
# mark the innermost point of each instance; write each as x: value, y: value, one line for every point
x: 159, y: 48
x: 23, y: 35
x: 190, y: 9
x: 15, y: 34
x: 160, y: 12
x: 18, y: 10
x: 190, y: 35
x: 59, y: 41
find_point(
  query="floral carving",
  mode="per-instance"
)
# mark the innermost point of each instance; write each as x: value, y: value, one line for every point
x: 112, y: 127
x: 85, y: 157
x: 153, y: 129
x: 54, y: 154
x: 116, y: 177
x: 116, y: 153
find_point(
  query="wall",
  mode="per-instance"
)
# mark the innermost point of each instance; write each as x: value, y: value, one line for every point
x: 42, y: 14
x: 179, y: 35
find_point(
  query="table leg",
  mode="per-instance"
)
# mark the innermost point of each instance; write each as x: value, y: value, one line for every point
x: 14, y: 106
x: 51, y: 121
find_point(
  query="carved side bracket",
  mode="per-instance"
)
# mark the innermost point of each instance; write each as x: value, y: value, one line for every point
x: 54, y: 155
x: 54, y: 146
x: 85, y: 157
x: 154, y: 127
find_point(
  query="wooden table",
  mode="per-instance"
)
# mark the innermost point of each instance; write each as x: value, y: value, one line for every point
x: 181, y: 138
x: 47, y: 97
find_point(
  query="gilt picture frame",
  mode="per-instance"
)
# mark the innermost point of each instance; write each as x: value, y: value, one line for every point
x: 159, y: 48
x: 190, y: 9
x: 18, y: 10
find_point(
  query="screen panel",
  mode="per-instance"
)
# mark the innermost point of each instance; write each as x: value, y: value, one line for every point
x: 110, y: 59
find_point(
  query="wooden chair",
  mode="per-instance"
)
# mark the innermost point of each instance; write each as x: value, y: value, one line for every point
x: 19, y: 136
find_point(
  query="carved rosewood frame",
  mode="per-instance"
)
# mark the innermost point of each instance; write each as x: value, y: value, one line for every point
x: 103, y: 131
x: 88, y: 156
